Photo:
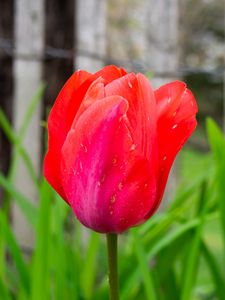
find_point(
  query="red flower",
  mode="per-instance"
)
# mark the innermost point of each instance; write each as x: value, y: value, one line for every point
x: 112, y: 141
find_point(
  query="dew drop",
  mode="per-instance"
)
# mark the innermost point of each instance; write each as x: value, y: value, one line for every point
x: 174, y: 114
x: 114, y: 161
x: 133, y: 147
x: 113, y: 199
x: 120, y: 186
x: 164, y: 157
x: 98, y: 183
x: 174, y: 126
x: 130, y: 84
x: 81, y: 165
x: 84, y: 147
x: 102, y: 178
x: 169, y: 100
x: 111, y: 212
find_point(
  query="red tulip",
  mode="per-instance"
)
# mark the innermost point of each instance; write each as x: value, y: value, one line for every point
x: 112, y: 142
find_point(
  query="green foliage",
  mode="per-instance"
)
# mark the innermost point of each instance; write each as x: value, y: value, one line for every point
x: 170, y: 257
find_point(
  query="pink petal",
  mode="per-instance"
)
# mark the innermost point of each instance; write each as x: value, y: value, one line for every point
x: 85, y: 155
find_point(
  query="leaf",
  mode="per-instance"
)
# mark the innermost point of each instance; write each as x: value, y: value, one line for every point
x: 217, y: 276
x: 217, y: 144
x: 24, y: 204
x: 16, y: 141
x: 144, y: 267
x: 31, y: 109
x: 4, y: 293
x: 162, y: 243
x: 190, y: 267
x: 88, y: 274
x: 16, y: 253
x: 40, y: 266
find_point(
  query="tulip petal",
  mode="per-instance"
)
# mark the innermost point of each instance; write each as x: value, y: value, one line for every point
x: 142, y: 108
x: 102, y: 172
x: 64, y: 112
x: 110, y: 73
x: 59, y: 122
x: 86, y: 148
x: 176, y: 121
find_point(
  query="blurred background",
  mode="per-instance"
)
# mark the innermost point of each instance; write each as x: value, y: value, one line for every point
x: 42, y: 42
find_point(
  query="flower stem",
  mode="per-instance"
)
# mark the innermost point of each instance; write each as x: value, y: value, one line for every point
x: 112, y: 262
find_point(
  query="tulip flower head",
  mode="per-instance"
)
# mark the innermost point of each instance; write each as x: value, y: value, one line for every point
x: 112, y: 142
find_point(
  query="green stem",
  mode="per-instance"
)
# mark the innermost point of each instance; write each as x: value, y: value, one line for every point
x: 112, y: 262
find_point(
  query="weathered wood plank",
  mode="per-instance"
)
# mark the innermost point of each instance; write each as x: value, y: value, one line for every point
x: 6, y: 28
x: 29, y: 43
x: 90, y: 33
x: 162, y: 51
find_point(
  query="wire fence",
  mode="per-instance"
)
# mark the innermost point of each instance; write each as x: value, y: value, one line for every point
x: 7, y: 47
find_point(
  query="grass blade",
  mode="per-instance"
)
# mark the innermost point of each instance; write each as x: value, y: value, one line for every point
x: 217, y: 276
x: 217, y: 144
x: 30, y: 110
x: 40, y: 265
x: 25, y: 205
x: 4, y: 293
x: 16, y: 253
x: 144, y: 267
x: 88, y: 275
x: 14, y: 140
x: 191, y: 264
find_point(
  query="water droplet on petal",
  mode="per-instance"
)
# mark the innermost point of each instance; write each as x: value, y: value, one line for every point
x: 98, y: 183
x: 84, y: 147
x: 114, y: 161
x: 133, y: 147
x: 120, y: 186
x: 174, y: 114
x: 164, y: 157
x: 102, y: 178
x: 174, y: 126
x: 169, y: 100
x: 130, y: 84
x: 113, y: 199
x: 81, y: 165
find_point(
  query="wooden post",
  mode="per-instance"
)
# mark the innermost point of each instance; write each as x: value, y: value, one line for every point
x: 29, y: 43
x: 6, y: 29
x: 90, y: 34
x: 162, y: 53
